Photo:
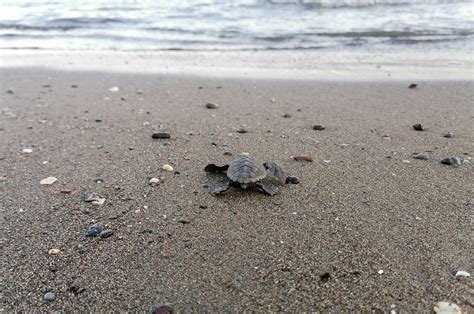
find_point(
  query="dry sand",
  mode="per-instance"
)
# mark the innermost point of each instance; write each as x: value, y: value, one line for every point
x: 360, y: 207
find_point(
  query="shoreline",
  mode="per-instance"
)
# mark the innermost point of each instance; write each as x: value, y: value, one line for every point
x: 369, y: 227
x: 321, y: 65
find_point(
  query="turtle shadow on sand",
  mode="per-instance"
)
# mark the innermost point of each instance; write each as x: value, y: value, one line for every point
x: 246, y: 173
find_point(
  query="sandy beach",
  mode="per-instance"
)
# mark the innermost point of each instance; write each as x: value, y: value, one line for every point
x: 369, y: 228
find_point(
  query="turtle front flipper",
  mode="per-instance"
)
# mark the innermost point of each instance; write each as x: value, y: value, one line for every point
x: 275, y: 170
x: 267, y: 189
x: 216, y: 169
x: 222, y: 188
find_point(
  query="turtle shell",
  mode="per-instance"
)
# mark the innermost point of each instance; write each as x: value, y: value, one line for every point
x: 245, y: 170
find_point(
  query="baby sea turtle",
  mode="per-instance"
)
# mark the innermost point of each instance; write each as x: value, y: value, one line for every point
x: 245, y: 172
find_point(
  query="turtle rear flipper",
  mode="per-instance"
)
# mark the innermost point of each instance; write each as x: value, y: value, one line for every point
x: 216, y: 169
x: 222, y: 188
x: 267, y: 189
x: 275, y: 170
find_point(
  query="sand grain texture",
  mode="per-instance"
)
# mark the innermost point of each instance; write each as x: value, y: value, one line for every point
x: 359, y: 208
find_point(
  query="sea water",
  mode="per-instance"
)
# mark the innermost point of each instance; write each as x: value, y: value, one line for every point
x: 222, y: 25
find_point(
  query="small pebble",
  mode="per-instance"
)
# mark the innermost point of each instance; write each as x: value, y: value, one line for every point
x: 241, y: 130
x: 380, y: 272
x: 462, y: 273
x: 98, y: 120
x: 303, y: 158
x: 74, y: 86
x: 94, y: 198
x: 422, y: 156
x: 211, y: 105
x: 10, y: 91
x: 49, y: 296
x: 448, y: 135
x: 94, y: 230
x: 272, y: 100
x: 65, y: 191
x: 98, y: 180
x: 292, y: 180
x: 445, y: 307
x: 318, y: 127
x: 203, y: 206
x: 48, y: 181
x: 451, y: 161
x: 325, y: 277
x: 167, y: 167
x: 76, y: 289
x: 412, y: 85
x: 418, y: 127
x: 27, y: 150
x: 160, y: 135
x: 53, y: 252
x: 106, y: 233
x: 163, y: 309
x: 287, y: 115
x: 154, y: 181
x: 114, y: 89
x: 123, y: 98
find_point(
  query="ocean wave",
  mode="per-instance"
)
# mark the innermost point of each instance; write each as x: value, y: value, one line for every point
x: 75, y: 21
x: 25, y: 27
x: 359, y: 3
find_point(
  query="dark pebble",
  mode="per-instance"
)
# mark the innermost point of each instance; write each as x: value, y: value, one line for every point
x: 325, y: 277
x: 412, y: 85
x: 145, y: 231
x: 94, y: 230
x: 106, y: 233
x: 49, y: 296
x: 160, y: 135
x: 163, y: 309
x: 448, y: 135
x: 418, y: 127
x: 227, y: 153
x: 76, y: 289
x: 123, y: 98
x: 287, y: 115
x: 98, y: 120
x: 184, y: 221
x: 46, y: 85
x: 241, y: 130
x: 10, y: 91
x: 451, y: 161
x: 318, y: 127
x: 203, y: 206
x: 422, y: 156
x: 292, y: 180
x: 74, y: 86
x: 211, y: 105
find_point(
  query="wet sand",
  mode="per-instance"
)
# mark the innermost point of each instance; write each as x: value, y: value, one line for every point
x: 365, y: 230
